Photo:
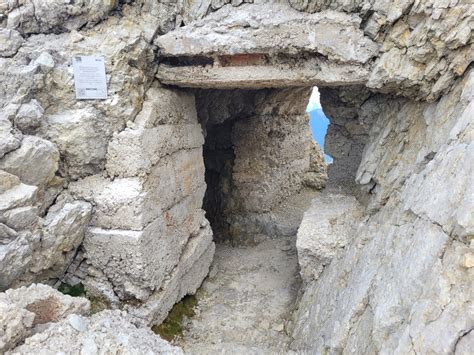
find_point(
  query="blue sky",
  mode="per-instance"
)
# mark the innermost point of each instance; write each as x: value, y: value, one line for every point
x: 318, y: 121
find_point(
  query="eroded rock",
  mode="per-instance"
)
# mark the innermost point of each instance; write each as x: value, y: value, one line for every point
x: 327, y: 227
x: 35, y: 162
x: 107, y: 331
x: 27, y: 309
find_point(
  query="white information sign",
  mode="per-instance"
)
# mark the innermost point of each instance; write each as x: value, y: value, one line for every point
x: 89, y: 77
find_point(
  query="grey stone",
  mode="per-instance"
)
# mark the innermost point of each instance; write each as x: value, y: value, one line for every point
x: 78, y: 322
x: 35, y: 162
x: 28, y: 117
x: 108, y: 331
x: 10, y: 42
x: 327, y: 227
x: 10, y: 138
x: 25, y: 308
x: 6, y: 234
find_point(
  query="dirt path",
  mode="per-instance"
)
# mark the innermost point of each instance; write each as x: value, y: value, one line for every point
x: 245, y: 303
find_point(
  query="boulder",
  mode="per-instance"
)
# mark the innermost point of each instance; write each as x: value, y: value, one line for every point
x: 35, y: 162
x: 10, y: 42
x: 10, y: 138
x: 108, y: 332
x: 28, y: 117
x: 26, y: 308
x: 326, y: 228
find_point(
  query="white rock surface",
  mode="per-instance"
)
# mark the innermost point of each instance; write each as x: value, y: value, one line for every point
x: 402, y: 283
x: 35, y: 162
x: 10, y: 42
x: 23, y: 309
x: 10, y: 138
x: 266, y: 29
x: 105, y: 332
x: 405, y: 277
x: 327, y: 227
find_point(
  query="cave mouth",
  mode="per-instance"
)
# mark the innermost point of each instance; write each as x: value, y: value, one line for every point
x: 260, y: 160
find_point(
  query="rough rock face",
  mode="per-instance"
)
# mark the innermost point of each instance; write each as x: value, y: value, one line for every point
x: 33, y: 247
x: 148, y: 229
x: 39, y: 317
x: 258, y: 154
x: 110, y: 192
x: 25, y: 310
x: 424, y: 45
x: 327, y: 227
x: 416, y: 49
x: 57, y: 152
x: 404, y: 278
x: 105, y: 332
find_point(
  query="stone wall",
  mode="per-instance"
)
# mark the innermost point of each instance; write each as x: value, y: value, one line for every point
x: 106, y: 192
x: 110, y: 191
x: 148, y: 229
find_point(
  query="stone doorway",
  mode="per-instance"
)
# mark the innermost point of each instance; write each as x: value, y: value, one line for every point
x: 258, y: 154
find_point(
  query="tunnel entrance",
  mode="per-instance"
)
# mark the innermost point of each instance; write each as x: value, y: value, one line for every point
x: 259, y: 156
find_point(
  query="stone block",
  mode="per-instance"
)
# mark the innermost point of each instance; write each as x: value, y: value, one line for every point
x: 18, y: 196
x: 7, y: 181
x: 185, y: 279
x: 167, y: 107
x: 105, y: 332
x: 21, y: 218
x: 133, y: 152
x: 137, y: 262
x: 81, y: 136
x: 132, y: 203
x: 64, y: 228
x: 326, y: 228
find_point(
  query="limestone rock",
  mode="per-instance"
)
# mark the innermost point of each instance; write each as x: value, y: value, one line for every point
x: 265, y: 54
x: 81, y: 137
x: 33, y: 16
x: 10, y: 138
x: 107, y: 331
x: 28, y: 117
x: 25, y: 308
x: 395, y: 278
x: 16, y: 258
x: 184, y: 279
x: 262, y: 29
x: 10, y: 42
x: 129, y: 258
x: 33, y: 248
x: 6, y: 234
x: 17, y: 196
x: 133, y: 203
x: 7, y: 181
x: 327, y: 227
x: 316, y: 177
x: 63, y: 231
x: 35, y: 162
x: 397, y: 87
x: 21, y: 218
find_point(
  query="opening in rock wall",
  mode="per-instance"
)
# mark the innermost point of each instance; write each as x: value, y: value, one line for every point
x: 318, y: 121
x: 259, y: 155
x: 219, y: 160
